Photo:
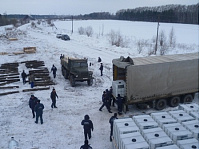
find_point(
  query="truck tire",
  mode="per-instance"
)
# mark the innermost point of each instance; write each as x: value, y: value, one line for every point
x: 90, y: 82
x: 187, y: 98
x: 72, y: 81
x: 174, y: 101
x: 66, y: 74
x: 160, y: 104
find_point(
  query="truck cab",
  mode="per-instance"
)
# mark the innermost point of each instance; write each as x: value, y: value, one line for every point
x: 76, y: 70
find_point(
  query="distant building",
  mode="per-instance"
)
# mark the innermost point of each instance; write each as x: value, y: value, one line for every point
x: 27, y: 19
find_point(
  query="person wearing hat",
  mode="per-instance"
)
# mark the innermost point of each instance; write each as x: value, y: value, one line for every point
x: 87, y: 126
x: 53, y: 98
x: 54, y: 69
x: 86, y: 145
x: 105, y: 100
x: 101, y: 69
x: 39, y: 111
x: 111, y: 121
x: 32, y: 103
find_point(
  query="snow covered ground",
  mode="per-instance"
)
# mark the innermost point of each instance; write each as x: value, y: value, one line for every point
x: 62, y: 126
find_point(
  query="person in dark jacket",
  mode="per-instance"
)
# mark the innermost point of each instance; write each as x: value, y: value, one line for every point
x: 120, y: 104
x: 24, y: 75
x: 39, y: 111
x: 54, y: 69
x: 112, y: 99
x: 105, y: 101
x: 87, y: 126
x: 53, y: 98
x: 32, y: 80
x: 99, y: 59
x: 86, y: 145
x: 101, y: 69
x: 111, y: 121
x: 32, y: 103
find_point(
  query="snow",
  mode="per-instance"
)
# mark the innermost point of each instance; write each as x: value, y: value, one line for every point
x: 62, y: 126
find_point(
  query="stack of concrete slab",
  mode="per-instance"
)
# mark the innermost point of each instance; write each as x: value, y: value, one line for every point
x: 192, y: 109
x: 177, y: 129
x: 145, y: 122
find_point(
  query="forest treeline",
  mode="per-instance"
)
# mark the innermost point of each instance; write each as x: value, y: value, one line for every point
x: 168, y: 13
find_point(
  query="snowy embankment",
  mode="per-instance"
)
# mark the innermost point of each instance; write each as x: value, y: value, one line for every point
x: 62, y: 128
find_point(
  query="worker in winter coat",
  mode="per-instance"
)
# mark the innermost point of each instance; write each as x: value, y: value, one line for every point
x: 24, y: 75
x: 54, y: 69
x: 101, y: 69
x: 120, y: 104
x: 53, y: 98
x: 105, y: 101
x: 111, y: 121
x: 111, y: 98
x: 99, y: 59
x: 32, y: 80
x: 32, y: 103
x: 39, y: 111
x: 86, y: 145
x: 87, y: 126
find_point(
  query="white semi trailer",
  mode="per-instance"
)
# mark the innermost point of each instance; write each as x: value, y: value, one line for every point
x: 156, y: 80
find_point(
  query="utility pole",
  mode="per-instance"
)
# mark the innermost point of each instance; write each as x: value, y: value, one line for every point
x: 72, y: 24
x: 157, y: 37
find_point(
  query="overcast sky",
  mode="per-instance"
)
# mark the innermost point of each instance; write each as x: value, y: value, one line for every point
x: 76, y: 7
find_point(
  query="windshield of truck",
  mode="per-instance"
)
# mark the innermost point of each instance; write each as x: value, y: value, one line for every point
x: 79, y: 64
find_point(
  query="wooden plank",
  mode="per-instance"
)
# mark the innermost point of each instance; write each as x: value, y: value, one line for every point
x: 9, y: 87
x: 7, y: 93
x: 36, y: 89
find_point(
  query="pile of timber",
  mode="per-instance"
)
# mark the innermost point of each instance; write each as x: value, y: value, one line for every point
x: 29, y: 50
x: 40, y: 73
x: 34, y: 64
x: 9, y: 73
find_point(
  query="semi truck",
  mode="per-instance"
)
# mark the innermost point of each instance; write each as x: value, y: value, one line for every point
x: 76, y: 70
x: 156, y: 81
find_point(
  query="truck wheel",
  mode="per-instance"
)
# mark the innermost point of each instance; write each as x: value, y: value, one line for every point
x: 187, y: 98
x: 161, y: 104
x: 90, y: 82
x: 66, y: 74
x: 62, y: 71
x: 174, y: 101
x: 72, y: 81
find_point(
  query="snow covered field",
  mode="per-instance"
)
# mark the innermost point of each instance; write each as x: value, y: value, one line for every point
x: 62, y: 126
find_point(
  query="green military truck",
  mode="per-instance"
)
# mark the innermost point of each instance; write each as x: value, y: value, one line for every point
x: 76, y: 70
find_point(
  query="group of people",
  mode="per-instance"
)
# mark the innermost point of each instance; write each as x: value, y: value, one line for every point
x: 88, y: 127
x: 32, y: 77
x: 108, y: 100
x: 37, y: 107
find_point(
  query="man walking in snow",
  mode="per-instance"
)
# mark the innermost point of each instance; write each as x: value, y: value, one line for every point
x: 87, y: 126
x: 53, y: 98
x: 54, y: 69
x: 39, y: 111
x: 32, y: 103
x: 24, y: 75
x: 86, y: 145
x: 101, y: 69
x: 111, y: 121
x: 105, y: 101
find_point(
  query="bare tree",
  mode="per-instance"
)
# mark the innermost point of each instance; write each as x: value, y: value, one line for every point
x: 172, y: 38
x: 81, y: 30
x: 89, y: 31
